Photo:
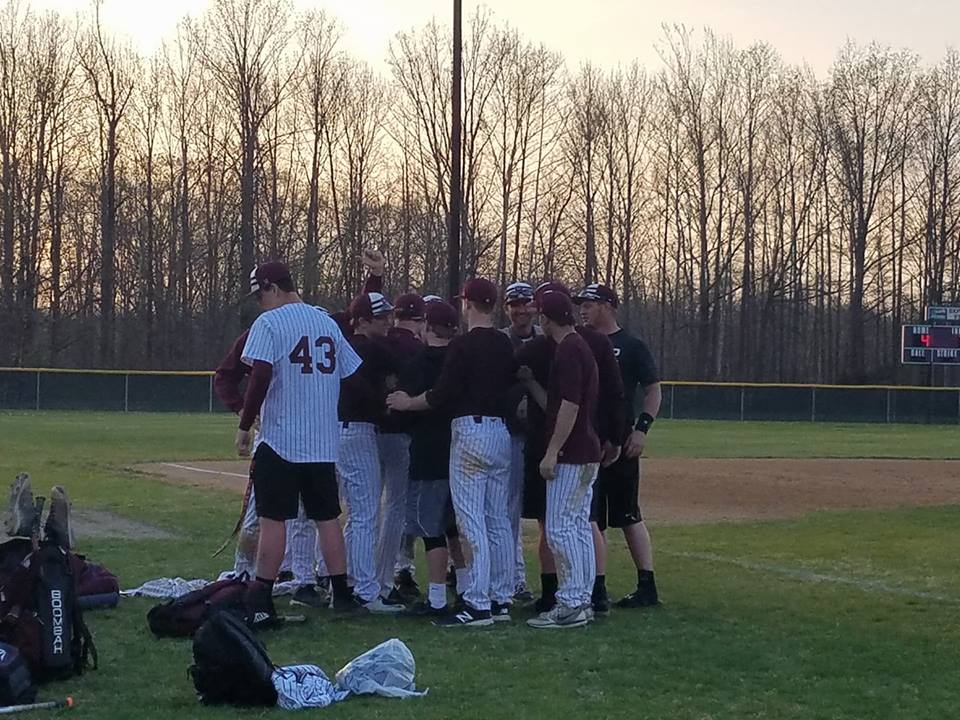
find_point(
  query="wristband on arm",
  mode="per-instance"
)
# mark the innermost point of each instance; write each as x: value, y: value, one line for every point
x: 644, y: 422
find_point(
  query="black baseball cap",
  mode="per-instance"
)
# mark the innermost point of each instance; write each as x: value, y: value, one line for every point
x: 598, y: 292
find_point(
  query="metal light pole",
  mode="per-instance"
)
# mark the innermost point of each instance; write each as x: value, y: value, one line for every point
x: 453, y: 220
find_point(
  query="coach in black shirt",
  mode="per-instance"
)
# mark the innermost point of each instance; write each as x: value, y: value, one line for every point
x: 615, y: 494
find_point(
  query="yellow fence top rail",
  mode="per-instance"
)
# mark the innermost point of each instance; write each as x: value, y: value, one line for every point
x: 677, y: 383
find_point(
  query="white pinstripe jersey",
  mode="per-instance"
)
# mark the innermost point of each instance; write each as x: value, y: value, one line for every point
x: 309, y: 356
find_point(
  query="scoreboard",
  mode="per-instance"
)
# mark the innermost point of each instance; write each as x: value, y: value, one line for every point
x: 931, y: 344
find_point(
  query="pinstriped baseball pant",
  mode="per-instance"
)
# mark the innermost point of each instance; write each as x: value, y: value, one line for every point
x: 358, y: 471
x: 515, y: 506
x: 394, y: 451
x: 568, y: 531
x: 479, y: 486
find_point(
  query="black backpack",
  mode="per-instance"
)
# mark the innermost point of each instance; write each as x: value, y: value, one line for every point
x: 230, y: 665
x: 42, y: 618
x: 16, y: 686
x: 183, y: 616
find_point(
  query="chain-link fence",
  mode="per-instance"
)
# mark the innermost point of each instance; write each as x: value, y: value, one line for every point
x: 39, y: 389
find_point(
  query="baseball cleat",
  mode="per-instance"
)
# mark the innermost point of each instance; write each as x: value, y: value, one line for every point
x: 59, y: 529
x: 406, y: 586
x: 500, y: 613
x: 466, y: 617
x: 560, y: 617
x: 348, y: 606
x: 641, y: 597
x: 522, y: 594
x: 544, y: 604
x: 383, y: 606
x: 601, y: 603
x: 309, y: 596
x: 21, y: 514
x: 285, y: 576
x: 258, y: 602
x: 423, y: 608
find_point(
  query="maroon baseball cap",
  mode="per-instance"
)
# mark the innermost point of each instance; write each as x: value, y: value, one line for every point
x: 267, y: 274
x: 440, y: 312
x: 550, y: 286
x: 598, y: 293
x: 556, y: 307
x: 409, y: 307
x: 480, y: 290
x: 369, y: 306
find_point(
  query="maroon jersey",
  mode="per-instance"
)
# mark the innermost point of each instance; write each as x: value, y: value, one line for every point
x: 610, y: 421
x: 363, y: 394
x: 573, y: 377
x: 404, y: 346
x: 478, y: 373
x: 230, y: 373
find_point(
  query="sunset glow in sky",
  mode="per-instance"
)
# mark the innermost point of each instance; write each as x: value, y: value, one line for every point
x: 604, y: 31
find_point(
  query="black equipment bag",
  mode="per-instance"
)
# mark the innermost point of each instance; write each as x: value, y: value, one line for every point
x: 16, y: 685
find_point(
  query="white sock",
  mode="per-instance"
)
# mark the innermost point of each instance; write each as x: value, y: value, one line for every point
x: 438, y: 595
x: 463, y: 579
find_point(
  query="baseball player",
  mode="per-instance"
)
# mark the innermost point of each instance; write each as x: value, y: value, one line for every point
x: 569, y: 464
x: 521, y: 310
x: 301, y: 548
x: 478, y: 373
x: 610, y: 423
x: 298, y: 358
x: 361, y: 410
x: 615, y: 494
x: 429, y: 513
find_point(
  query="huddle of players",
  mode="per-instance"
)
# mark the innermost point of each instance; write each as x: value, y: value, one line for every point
x: 465, y: 431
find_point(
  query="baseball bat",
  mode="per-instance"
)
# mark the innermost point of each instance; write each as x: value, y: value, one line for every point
x: 51, y: 705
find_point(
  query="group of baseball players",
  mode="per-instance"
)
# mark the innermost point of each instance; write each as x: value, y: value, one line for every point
x: 429, y: 422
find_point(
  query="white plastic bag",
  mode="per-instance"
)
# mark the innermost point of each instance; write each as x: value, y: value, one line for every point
x: 387, y: 670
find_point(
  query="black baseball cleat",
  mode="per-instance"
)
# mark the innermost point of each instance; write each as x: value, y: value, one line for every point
x: 500, y: 612
x: 466, y: 617
x: 406, y: 586
x: 641, y: 597
x: 545, y: 603
x: 258, y: 603
x: 20, y: 519
x: 58, y: 528
x: 601, y: 603
x: 285, y: 576
x: 348, y: 606
x: 309, y: 596
x: 522, y: 595
x: 423, y: 608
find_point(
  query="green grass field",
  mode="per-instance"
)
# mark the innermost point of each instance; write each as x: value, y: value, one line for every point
x: 833, y: 615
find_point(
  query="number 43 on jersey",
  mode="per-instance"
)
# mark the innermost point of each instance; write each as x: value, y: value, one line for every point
x: 326, y: 355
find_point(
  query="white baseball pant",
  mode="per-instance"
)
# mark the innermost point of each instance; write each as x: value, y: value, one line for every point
x: 394, y: 449
x: 515, y: 506
x: 569, y: 534
x: 358, y: 471
x: 479, y: 486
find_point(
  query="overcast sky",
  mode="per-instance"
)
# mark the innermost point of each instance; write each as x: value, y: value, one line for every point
x: 604, y: 31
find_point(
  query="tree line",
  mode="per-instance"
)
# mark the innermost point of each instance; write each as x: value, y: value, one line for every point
x: 759, y: 222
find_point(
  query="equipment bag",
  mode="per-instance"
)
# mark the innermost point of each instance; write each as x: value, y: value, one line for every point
x: 16, y: 686
x: 183, y: 616
x: 230, y: 665
x: 41, y: 615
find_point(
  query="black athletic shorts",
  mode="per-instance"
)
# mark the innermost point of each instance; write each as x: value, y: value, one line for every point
x: 534, y: 506
x: 615, y: 495
x: 280, y: 485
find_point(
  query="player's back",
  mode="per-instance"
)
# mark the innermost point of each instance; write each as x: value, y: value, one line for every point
x: 309, y: 357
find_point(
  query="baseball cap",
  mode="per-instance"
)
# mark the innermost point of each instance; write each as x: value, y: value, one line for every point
x: 440, y: 312
x: 550, y: 286
x: 480, y: 290
x: 427, y: 299
x: 370, y: 305
x: 409, y: 307
x: 518, y: 292
x: 267, y: 274
x: 598, y: 293
x: 556, y: 307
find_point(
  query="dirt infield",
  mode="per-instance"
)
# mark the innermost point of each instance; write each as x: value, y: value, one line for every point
x: 681, y: 491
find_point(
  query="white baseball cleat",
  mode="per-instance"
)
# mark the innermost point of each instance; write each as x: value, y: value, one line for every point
x: 560, y: 617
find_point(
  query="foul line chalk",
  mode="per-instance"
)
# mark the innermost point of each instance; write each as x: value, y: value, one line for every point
x: 808, y: 576
x: 201, y: 470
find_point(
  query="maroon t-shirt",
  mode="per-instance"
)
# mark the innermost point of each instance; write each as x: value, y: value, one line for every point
x: 573, y: 377
x: 405, y: 346
x: 230, y: 373
x: 478, y: 374
x: 363, y: 394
